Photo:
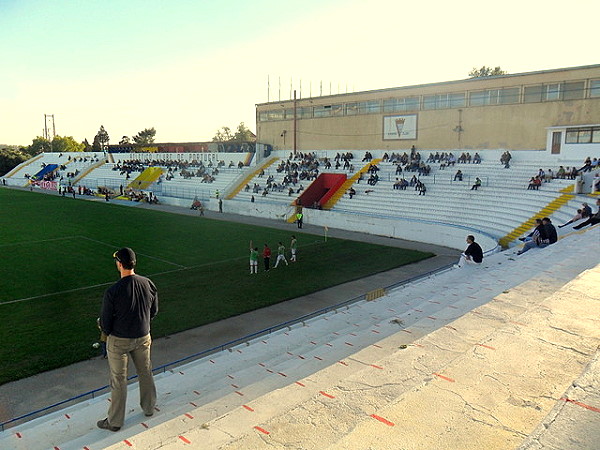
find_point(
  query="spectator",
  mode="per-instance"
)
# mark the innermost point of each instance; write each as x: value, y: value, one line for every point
x: 473, y: 254
x: 529, y: 237
x: 458, y: 175
x: 477, y: 184
x: 127, y: 308
x: 593, y: 220
x: 505, y: 159
x: 534, y: 184
x: 551, y: 234
x: 575, y: 218
x: 586, y: 211
x: 543, y: 235
x: 587, y: 165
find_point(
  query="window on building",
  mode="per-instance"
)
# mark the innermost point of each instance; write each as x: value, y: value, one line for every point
x: 477, y: 98
x: 595, y: 88
x: 351, y: 109
x: 262, y: 116
x: 429, y: 102
x: 574, y: 90
x: 583, y: 135
x: 275, y: 114
x: 532, y: 94
x: 337, y: 110
x: 456, y: 100
x: 289, y: 113
x: 322, y: 111
x: 552, y: 92
x: 571, y: 137
x: 509, y: 95
x: 391, y: 105
x: 442, y: 101
x: 305, y: 112
x: 369, y: 107
x: 411, y: 103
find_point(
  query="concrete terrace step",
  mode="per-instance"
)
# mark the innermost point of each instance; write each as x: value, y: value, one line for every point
x: 463, y: 381
x: 208, y: 390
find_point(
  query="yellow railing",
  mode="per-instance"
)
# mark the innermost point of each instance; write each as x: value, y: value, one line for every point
x: 347, y: 184
x: 146, y: 178
x: 247, y: 180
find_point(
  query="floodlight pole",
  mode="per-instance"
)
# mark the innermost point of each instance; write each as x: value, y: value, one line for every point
x: 295, y: 124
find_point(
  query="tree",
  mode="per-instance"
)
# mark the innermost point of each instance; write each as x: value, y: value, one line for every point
x: 96, y: 145
x: 243, y: 134
x: 39, y: 145
x: 145, y: 137
x: 86, y: 145
x: 11, y: 158
x: 223, y: 135
x: 102, y: 139
x: 66, y: 144
x: 486, y: 72
x: 125, y: 140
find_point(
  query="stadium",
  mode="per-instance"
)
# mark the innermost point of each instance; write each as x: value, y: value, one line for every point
x: 373, y: 339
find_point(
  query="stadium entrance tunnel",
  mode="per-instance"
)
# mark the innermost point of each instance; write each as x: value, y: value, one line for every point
x: 321, y: 190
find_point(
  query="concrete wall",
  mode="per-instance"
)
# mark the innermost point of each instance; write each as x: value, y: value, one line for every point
x: 411, y: 230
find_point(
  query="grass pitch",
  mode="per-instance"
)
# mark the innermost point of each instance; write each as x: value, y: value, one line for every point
x: 57, y: 262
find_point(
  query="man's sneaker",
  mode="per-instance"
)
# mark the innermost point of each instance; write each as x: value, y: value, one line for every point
x: 106, y: 426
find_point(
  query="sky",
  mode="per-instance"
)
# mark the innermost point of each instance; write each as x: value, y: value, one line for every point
x: 189, y: 67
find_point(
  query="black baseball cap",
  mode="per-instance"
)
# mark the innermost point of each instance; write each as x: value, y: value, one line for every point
x: 125, y: 256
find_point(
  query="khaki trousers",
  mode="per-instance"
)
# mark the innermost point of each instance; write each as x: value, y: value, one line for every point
x: 119, y: 350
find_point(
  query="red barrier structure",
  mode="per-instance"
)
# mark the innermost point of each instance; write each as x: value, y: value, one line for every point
x: 321, y: 190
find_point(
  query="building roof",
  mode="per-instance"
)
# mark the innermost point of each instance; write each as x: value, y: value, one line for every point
x: 441, y: 83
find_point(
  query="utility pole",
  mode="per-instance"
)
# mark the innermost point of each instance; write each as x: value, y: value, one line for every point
x: 295, y: 124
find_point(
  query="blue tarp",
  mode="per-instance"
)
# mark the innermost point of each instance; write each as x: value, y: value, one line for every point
x: 48, y: 169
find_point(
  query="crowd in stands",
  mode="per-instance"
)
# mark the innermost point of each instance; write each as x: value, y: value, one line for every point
x: 563, y: 173
x: 545, y: 234
x: 302, y: 166
x: 448, y: 159
x: 297, y: 168
x: 186, y: 169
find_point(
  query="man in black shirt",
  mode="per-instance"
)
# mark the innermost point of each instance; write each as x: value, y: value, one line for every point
x: 473, y: 254
x: 551, y: 235
x: 127, y: 309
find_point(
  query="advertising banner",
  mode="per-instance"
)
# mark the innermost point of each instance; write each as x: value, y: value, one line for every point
x: 48, y: 185
x: 400, y: 127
